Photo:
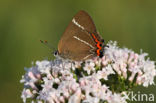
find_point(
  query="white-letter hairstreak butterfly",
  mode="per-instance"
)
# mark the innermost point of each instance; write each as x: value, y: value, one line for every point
x: 80, y: 41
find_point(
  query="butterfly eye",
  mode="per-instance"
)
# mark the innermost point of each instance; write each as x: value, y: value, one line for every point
x: 55, y: 53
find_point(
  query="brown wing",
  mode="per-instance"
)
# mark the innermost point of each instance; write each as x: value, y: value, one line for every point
x: 86, y: 21
x: 76, y: 42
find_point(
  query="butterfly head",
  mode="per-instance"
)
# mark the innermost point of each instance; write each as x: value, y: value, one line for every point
x: 56, y: 53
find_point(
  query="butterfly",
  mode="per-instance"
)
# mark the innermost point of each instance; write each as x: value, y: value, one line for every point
x: 80, y: 41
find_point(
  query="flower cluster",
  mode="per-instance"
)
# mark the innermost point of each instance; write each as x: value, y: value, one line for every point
x: 99, y: 80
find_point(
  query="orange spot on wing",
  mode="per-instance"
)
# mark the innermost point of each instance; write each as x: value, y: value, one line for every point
x: 97, y: 44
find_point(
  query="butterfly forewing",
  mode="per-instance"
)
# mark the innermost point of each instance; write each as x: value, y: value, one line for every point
x: 77, y: 42
x: 84, y: 19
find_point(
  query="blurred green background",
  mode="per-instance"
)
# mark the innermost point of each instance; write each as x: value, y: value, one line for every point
x: 24, y: 22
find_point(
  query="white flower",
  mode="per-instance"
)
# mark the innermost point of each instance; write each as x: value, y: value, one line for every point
x: 117, y: 98
x: 89, y: 66
x: 61, y: 81
x: 44, y: 66
x: 26, y: 93
x: 103, y: 74
x: 76, y: 97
